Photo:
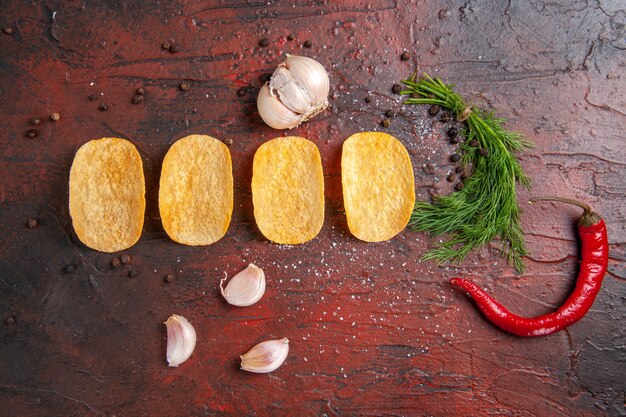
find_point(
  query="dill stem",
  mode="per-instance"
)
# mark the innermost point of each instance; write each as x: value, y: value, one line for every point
x: 425, y: 101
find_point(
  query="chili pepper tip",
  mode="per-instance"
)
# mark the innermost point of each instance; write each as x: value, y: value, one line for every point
x: 458, y: 282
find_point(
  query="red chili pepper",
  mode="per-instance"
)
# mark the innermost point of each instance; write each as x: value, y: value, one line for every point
x: 595, y: 258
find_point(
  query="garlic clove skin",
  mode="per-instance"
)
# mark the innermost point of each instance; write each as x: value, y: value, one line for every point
x: 312, y: 76
x: 290, y: 93
x: 313, y: 111
x: 245, y: 288
x: 181, y: 340
x: 273, y: 112
x: 266, y: 356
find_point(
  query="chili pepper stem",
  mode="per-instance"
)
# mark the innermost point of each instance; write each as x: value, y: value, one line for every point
x: 584, y: 206
x: 588, y: 217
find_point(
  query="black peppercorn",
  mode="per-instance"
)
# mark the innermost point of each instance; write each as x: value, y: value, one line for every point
x: 458, y: 169
x: 429, y: 168
x: 125, y: 259
x: 451, y: 178
x: 385, y: 123
x: 103, y: 107
x: 93, y: 97
x: 405, y: 56
x: 390, y: 113
x: 474, y: 143
x: 174, y: 48
x: 35, y: 121
x: 242, y: 91
x: 445, y: 117
x: 10, y: 320
x: 396, y: 88
x: 55, y: 117
x: 140, y: 91
x: 290, y: 37
x: 133, y: 273
x: 169, y: 278
x: 433, y: 110
x: 458, y: 186
x: 454, y: 140
x: 308, y: 44
x: 137, y: 99
x: 165, y: 45
x: 484, y: 151
x: 32, y: 133
x: 116, y: 263
x: 453, y: 132
x: 264, y: 42
x: 32, y: 223
x: 455, y: 157
x: 368, y: 99
x: 184, y: 86
x: 69, y: 269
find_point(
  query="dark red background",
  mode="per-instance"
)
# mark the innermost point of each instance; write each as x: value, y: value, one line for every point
x: 373, y: 330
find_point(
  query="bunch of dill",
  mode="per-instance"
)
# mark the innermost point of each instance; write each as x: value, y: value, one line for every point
x: 486, y: 206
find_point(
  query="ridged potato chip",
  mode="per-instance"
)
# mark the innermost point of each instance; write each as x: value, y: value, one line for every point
x: 196, y: 190
x: 107, y: 194
x: 288, y: 190
x: 378, y: 185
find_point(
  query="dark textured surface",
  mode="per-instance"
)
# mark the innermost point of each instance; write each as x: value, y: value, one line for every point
x: 373, y: 331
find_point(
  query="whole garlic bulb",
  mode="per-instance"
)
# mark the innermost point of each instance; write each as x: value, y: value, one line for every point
x: 297, y: 91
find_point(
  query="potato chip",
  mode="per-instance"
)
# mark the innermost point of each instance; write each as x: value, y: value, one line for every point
x: 378, y: 185
x: 196, y: 191
x: 288, y: 190
x: 107, y: 194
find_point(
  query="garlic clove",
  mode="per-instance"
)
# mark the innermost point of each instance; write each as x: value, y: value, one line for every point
x: 273, y: 112
x: 181, y: 340
x: 245, y: 288
x: 266, y: 356
x: 312, y: 76
x: 291, y: 93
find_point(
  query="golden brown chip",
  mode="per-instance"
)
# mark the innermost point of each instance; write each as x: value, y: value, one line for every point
x: 378, y: 185
x: 107, y: 194
x: 288, y: 190
x: 196, y: 191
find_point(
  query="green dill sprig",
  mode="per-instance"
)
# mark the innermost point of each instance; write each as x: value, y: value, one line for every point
x: 486, y: 206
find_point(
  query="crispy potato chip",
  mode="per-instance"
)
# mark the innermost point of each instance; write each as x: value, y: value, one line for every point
x: 107, y: 194
x: 196, y: 191
x: 378, y: 185
x: 288, y: 190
